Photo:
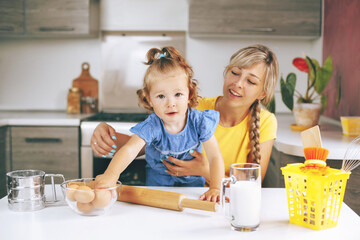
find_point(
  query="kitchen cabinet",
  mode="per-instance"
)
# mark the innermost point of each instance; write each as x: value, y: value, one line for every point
x: 53, y: 18
x: 51, y: 149
x: 261, y: 17
x: 4, y: 159
x: 11, y: 17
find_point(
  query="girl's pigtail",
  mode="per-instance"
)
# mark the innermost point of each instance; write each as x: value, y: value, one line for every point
x: 143, y: 100
x: 151, y: 55
x: 255, y: 132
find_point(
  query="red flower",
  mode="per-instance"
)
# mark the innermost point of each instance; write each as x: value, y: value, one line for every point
x: 301, y: 64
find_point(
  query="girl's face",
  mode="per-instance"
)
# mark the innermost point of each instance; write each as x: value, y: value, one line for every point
x: 243, y: 86
x: 169, y: 97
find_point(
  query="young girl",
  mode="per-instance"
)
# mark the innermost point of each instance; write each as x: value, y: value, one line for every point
x: 174, y: 129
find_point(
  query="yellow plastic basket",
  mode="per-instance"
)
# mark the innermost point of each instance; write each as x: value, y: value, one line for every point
x: 314, y: 201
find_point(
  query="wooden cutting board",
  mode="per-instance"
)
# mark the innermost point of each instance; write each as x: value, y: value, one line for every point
x: 88, y: 85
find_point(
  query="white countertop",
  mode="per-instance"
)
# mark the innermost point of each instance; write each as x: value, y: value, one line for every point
x: 40, y: 118
x: 289, y: 141
x: 130, y: 221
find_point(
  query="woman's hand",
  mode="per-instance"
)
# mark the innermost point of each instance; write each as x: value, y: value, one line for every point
x: 212, y: 195
x: 199, y: 166
x: 103, y: 140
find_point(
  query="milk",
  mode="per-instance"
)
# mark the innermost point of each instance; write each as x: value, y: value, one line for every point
x: 245, y: 202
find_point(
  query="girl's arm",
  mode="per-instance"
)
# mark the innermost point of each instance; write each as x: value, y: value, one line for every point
x: 265, y: 152
x: 120, y: 161
x: 217, y: 169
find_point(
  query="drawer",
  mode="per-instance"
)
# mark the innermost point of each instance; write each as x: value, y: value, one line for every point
x: 51, y: 149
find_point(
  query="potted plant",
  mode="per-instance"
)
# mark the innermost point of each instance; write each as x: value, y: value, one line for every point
x: 308, y: 106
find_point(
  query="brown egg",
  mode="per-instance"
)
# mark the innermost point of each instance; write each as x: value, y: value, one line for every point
x: 90, y: 184
x: 70, y: 194
x: 85, y: 207
x: 102, y: 198
x: 84, y: 194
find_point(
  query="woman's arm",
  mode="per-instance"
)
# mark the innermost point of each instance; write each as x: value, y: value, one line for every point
x: 265, y: 152
x: 120, y: 161
x: 105, y: 139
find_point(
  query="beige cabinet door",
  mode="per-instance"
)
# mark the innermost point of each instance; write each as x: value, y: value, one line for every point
x: 61, y: 17
x: 51, y: 149
x: 11, y: 17
x: 260, y: 17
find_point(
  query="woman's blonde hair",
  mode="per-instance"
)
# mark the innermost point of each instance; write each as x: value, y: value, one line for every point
x: 163, y: 61
x: 247, y: 57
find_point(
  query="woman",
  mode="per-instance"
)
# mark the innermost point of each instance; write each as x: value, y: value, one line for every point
x: 245, y: 133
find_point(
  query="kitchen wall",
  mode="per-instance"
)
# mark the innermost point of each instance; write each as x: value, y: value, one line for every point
x: 37, y: 73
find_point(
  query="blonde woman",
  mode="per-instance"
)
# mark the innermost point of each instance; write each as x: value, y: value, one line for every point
x: 246, y: 131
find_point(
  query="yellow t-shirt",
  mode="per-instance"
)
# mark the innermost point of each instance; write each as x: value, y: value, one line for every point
x: 234, y: 142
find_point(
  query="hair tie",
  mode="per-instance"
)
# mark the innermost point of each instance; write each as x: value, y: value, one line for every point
x: 162, y: 55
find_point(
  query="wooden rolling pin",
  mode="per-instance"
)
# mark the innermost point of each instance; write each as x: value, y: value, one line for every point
x: 163, y: 199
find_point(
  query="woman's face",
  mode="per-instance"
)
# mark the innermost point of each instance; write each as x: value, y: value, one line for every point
x: 243, y: 86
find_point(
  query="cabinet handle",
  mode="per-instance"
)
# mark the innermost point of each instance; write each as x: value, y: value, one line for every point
x: 7, y: 28
x: 43, y: 140
x: 257, y: 30
x: 56, y: 29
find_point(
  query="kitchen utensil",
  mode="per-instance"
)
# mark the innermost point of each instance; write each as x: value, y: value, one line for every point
x: 245, y: 196
x: 316, y: 153
x: 352, y: 155
x: 311, y: 137
x: 163, y: 199
x: 25, y: 190
x: 84, y: 200
x: 88, y: 85
x: 314, y: 200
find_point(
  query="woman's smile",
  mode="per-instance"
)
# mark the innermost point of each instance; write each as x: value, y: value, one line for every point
x: 234, y: 93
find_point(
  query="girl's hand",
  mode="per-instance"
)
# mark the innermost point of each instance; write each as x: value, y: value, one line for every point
x: 199, y: 166
x: 104, y: 181
x: 212, y: 195
x: 103, y: 140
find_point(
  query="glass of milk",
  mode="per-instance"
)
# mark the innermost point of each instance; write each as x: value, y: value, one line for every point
x: 244, y: 192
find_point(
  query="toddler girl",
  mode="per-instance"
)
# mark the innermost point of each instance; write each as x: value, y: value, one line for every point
x: 173, y: 129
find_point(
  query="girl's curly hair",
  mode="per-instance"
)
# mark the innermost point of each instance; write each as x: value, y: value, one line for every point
x: 163, y: 61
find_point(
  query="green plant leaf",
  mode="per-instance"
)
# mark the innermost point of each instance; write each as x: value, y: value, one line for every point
x: 287, y: 90
x: 271, y: 106
x: 324, y: 101
x: 313, y: 65
x: 323, y: 75
x: 338, y: 98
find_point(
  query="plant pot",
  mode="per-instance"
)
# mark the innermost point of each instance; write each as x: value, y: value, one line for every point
x: 307, y: 114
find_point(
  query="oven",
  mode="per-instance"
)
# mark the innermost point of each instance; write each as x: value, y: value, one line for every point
x: 92, y: 165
